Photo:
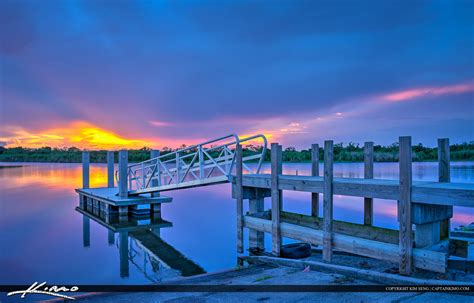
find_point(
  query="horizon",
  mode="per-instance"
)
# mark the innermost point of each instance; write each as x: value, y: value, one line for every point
x: 157, y: 74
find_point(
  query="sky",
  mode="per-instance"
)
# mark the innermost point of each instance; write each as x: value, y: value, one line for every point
x: 128, y: 74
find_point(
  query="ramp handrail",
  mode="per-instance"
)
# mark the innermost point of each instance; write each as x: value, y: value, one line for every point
x: 197, y: 163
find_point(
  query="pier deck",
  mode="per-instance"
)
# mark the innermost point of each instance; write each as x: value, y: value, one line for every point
x: 109, y: 196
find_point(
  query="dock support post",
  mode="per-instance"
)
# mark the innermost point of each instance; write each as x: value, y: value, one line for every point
x: 315, y: 172
x: 368, y: 174
x: 444, y: 175
x: 328, y: 200
x: 277, y: 169
x: 85, y: 169
x: 110, y: 169
x: 123, y: 254
x: 86, y: 231
x: 256, y: 205
x: 432, y: 221
x: 404, y: 206
x: 123, y: 171
x: 201, y: 162
x: 111, y: 237
x: 239, y: 198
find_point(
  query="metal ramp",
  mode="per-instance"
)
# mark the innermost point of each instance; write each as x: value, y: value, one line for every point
x: 207, y: 163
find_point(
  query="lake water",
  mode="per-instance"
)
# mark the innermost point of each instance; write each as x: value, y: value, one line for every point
x: 41, y: 233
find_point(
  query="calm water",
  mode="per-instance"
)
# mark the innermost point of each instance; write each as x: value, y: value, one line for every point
x: 41, y: 233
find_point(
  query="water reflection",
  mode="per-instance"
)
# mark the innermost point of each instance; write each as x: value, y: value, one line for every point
x: 139, y: 244
x: 38, y: 221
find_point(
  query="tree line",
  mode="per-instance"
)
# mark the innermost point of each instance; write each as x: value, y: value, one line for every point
x: 351, y: 152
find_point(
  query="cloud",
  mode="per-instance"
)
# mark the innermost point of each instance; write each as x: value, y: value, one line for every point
x: 424, y: 92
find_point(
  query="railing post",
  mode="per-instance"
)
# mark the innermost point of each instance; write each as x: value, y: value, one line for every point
x: 143, y: 176
x: 110, y: 169
x: 328, y: 200
x: 256, y: 205
x: 444, y: 175
x: 404, y: 206
x: 177, y: 168
x: 201, y: 162
x: 155, y: 208
x: 315, y: 172
x: 277, y: 169
x: 123, y: 171
x: 239, y: 198
x: 368, y: 174
x: 85, y: 169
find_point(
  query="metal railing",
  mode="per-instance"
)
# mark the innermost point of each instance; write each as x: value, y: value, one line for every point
x: 197, y: 164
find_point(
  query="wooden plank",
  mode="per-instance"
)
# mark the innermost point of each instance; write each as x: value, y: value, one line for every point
x: 455, y: 194
x: 315, y: 172
x: 277, y: 168
x: 368, y: 174
x: 123, y: 170
x: 256, y: 239
x: 328, y: 200
x: 239, y: 198
x: 345, y: 228
x: 404, y: 206
x: 85, y: 169
x: 422, y: 258
x: 110, y: 169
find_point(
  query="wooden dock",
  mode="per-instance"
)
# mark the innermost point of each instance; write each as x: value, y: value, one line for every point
x: 424, y: 208
x: 426, y: 205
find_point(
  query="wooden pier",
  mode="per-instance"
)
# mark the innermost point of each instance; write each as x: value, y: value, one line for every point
x: 426, y: 205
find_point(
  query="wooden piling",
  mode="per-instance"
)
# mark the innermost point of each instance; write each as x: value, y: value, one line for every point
x: 239, y: 198
x: 277, y: 169
x: 123, y: 254
x: 110, y: 169
x: 444, y: 175
x: 85, y: 169
x: 368, y: 174
x: 123, y: 171
x: 404, y: 206
x: 256, y: 205
x: 328, y: 200
x: 315, y: 172
x: 86, y: 231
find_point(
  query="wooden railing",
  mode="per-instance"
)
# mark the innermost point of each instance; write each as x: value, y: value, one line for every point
x: 428, y: 205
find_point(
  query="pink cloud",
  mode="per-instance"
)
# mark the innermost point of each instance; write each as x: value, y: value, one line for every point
x: 428, y: 92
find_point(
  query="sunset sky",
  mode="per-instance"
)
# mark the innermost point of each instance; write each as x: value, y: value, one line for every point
x: 111, y: 74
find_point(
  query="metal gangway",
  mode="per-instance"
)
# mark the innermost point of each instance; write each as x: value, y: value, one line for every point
x: 207, y: 163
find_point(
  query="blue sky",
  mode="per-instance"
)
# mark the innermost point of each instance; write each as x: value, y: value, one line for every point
x: 169, y: 72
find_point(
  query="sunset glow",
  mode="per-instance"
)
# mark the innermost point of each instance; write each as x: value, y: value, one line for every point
x: 77, y: 134
x: 428, y: 91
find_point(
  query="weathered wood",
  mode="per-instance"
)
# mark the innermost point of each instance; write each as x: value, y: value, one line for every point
x: 123, y: 171
x: 252, y: 192
x: 85, y: 169
x: 444, y: 175
x: 277, y: 168
x: 328, y: 201
x: 422, y: 258
x: 427, y: 235
x: 425, y: 192
x: 315, y: 172
x: 110, y: 169
x: 345, y: 228
x: 368, y: 174
x: 404, y: 206
x: 239, y: 198
x: 255, y: 236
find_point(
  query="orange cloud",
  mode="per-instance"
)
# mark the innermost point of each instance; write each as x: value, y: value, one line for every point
x: 79, y: 134
x: 428, y: 91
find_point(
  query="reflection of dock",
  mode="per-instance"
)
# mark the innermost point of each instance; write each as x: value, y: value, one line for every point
x: 140, y: 237
x: 158, y: 248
